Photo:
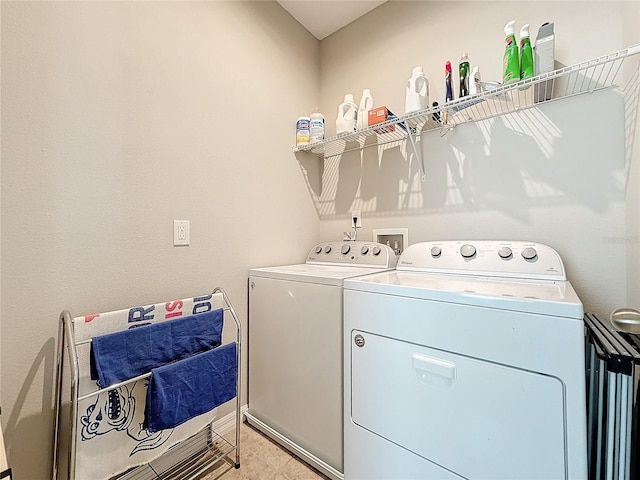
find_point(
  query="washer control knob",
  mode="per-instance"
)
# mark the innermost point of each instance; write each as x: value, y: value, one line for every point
x: 468, y: 251
x: 436, y: 252
x: 364, y: 250
x: 376, y: 250
x: 345, y: 249
x: 505, y: 253
x: 327, y: 249
x: 529, y: 253
x: 318, y: 249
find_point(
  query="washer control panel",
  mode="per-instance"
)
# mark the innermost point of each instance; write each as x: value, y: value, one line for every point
x: 353, y: 253
x: 483, y: 257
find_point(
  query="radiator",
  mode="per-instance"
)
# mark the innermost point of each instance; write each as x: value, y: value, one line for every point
x: 612, y: 369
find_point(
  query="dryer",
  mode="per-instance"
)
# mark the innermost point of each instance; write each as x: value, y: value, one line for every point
x: 466, y: 362
x: 295, y: 348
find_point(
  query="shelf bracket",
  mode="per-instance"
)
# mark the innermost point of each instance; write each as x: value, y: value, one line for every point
x: 412, y: 133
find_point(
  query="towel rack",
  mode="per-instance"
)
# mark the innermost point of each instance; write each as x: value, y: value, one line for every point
x: 86, y: 414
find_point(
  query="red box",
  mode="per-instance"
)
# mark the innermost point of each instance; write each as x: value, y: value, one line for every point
x: 379, y: 115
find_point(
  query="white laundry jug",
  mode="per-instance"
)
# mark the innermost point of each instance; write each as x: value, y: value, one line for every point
x: 366, y: 104
x: 417, y: 97
x: 346, y: 122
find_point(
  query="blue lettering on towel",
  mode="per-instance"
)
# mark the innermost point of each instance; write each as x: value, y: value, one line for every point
x: 202, y: 304
x: 141, y: 314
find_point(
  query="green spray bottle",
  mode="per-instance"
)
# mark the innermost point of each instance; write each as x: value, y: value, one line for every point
x: 526, y: 54
x: 511, y: 60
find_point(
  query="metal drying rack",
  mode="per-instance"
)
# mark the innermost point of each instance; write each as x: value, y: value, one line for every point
x: 187, y: 459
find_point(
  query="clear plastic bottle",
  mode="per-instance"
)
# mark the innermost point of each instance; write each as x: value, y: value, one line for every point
x: 475, y: 85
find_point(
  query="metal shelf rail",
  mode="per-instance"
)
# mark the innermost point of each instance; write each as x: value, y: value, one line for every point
x: 586, y: 77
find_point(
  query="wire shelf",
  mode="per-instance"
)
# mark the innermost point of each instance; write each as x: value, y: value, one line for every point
x: 586, y: 77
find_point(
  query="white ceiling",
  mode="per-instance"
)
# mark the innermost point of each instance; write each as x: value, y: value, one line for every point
x: 323, y: 17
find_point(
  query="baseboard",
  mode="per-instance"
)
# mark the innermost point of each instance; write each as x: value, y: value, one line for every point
x: 228, y: 422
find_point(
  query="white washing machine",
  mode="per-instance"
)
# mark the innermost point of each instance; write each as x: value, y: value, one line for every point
x: 466, y: 362
x: 295, y: 348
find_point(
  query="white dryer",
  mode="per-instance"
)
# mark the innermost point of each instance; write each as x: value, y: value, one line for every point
x: 295, y: 348
x: 466, y: 362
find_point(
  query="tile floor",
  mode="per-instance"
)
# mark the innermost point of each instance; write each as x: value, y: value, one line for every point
x: 263, y: 459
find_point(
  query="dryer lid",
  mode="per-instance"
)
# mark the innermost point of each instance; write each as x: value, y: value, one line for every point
x: 545, y: 297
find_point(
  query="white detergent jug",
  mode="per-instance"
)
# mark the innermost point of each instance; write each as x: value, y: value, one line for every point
x: 417, y: 97
x: 346, y: 122
x: 366, y: 104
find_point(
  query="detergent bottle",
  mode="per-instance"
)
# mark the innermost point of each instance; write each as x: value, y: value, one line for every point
x: 366, y: 104
x: 417, y: 94
x: 346, y: 121
x: 511, y: 60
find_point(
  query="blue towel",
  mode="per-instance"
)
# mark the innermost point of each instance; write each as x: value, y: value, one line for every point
x: 183, y: 390
x: 119, y: 356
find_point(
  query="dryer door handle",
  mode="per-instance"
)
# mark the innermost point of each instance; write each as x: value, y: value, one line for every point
x: 436, y: 366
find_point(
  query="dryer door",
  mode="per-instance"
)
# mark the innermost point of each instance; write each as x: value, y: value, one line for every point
x: 478, y: 419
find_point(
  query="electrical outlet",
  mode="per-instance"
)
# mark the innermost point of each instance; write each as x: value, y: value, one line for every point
x: 356, y: 214
x: 181, y: 232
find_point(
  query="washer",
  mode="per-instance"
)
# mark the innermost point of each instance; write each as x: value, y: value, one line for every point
x: 466, y: 362
x: 295, y: 348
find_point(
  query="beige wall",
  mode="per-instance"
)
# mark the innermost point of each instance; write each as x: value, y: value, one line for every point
x: 555, y: 175
x: 117, y: 118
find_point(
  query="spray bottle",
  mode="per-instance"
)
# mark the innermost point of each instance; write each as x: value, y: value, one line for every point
x: 526, y: 54
x: 464, y: 75
x: 511, y: 60
x: 447, y: 82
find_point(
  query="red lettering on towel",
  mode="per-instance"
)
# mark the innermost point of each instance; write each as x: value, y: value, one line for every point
x: 88, y: 318
x: 170, y: 306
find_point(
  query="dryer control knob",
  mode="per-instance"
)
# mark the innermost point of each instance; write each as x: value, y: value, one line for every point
x: 345, y: 249
x: 529, y: 253
x: 376, y: 250
x: 364, y: 250
x: 436, y: 252
x: 468, y: 251
x: 505, y: 253
x: 327, y: 249
x: 318, y: 249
